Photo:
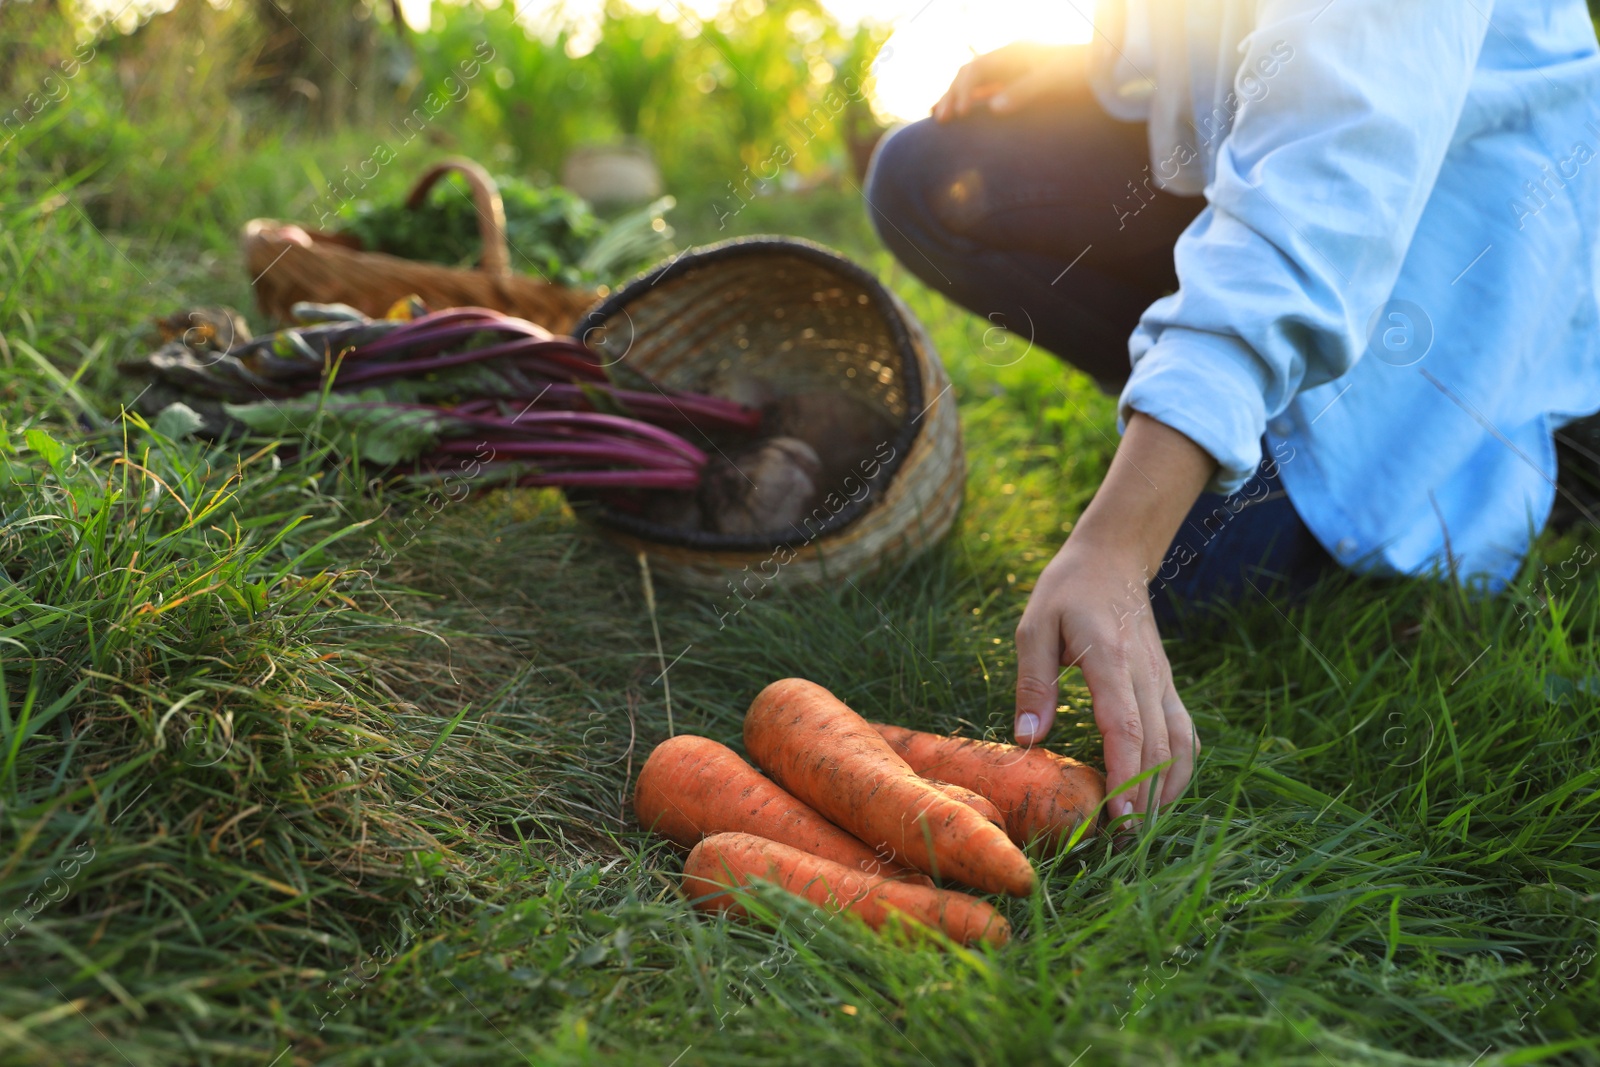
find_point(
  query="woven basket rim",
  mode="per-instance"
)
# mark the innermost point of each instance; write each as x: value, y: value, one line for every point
x: 900, y: 335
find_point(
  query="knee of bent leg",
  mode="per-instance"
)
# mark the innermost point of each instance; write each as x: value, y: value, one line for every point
x: 926, y: 184
x: 897, y: 177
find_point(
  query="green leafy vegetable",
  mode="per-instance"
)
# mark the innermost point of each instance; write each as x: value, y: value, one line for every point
x: 551, y: 232
x: 383, y: 433
x: 178, y: 421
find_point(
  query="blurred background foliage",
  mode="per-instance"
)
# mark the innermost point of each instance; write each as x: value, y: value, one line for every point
x: 186, y: 122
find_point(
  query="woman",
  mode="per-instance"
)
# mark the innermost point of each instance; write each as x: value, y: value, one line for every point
x: 1338, y: 260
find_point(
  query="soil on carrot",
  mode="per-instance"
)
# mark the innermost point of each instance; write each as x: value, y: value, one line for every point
x: 299, y: 768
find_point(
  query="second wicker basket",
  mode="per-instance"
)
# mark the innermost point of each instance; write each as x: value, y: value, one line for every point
x: 774, y: 318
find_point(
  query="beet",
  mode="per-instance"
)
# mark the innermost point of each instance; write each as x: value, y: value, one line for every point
x: 767, y: 488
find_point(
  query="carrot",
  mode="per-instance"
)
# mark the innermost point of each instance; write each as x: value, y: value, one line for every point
x: 974, y: 800
x: 1038, y: 792
x: 693, y: 786
x: 832, y: 759
x: 724, y: 861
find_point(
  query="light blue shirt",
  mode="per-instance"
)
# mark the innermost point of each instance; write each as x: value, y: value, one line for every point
x: 1394, y: 279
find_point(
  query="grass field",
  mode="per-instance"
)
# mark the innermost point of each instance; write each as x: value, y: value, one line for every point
x: 296, y: 769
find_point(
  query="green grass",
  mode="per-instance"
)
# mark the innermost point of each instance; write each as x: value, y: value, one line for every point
x: 300, y: 770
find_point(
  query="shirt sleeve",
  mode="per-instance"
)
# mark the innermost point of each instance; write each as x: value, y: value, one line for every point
x: 1343, y: 111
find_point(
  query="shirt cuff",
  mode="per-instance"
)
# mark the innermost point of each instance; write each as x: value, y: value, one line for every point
x: 1210, y: 388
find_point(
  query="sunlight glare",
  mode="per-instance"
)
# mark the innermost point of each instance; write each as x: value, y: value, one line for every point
x: 417, y: 13
x: 926, y: 50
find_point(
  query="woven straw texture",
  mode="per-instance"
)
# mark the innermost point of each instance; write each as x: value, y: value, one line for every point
x: 332, y: 270
x: 795, y: 318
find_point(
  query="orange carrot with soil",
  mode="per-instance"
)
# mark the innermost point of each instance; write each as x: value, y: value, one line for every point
x: 723, y: 861
x: 1038, y: 792
x: 972, y: 799
x: 831, y: 758
x: 692, y: 786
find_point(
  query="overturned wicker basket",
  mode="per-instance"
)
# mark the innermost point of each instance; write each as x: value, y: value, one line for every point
x: 794, y: 318
x: 289, y: 264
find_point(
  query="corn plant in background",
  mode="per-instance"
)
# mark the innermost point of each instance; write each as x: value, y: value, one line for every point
x: 641, y: 61
x: 531, y: 101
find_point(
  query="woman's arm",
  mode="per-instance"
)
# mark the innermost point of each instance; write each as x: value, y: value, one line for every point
x: 1319, y: 187
x: 1091, y: 608
x: 1320, y: 184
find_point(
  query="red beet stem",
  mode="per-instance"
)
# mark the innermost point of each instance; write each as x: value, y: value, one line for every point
x: 533, y: 422
x: 687, y: 409
x: 554, y: 359
x: 451, y: 324
x: 655, y: 479
x: 594, y: 449
x: 416, y: 345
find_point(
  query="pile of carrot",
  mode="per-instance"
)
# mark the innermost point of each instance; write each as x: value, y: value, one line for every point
x: 862, y: 817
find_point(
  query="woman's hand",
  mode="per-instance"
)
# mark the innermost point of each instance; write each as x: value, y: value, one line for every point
x: 1091, y: 609
x: 1015, y: 77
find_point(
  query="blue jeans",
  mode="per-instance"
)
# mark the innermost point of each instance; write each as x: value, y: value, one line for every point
x: 1049, y: 223
x: 1248, y: 545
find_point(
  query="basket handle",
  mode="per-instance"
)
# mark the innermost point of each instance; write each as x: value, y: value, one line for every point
x: 496, y: 258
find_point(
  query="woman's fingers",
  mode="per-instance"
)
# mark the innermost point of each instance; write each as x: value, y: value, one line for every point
x: 1135, y: 706
x: 1142, y: 722
x: 1026, y: 90
x: 1014, y: 77
x: 1038, y: 667
x: 1185, y: 746
x: 977, y: 81
x: 945, y: 109
x: 1117, y: 713
x: 1077, y: 615
x: 1148, y: 676
x: 971, y: 85
x: 941, y: 110
x: 966, y: 83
